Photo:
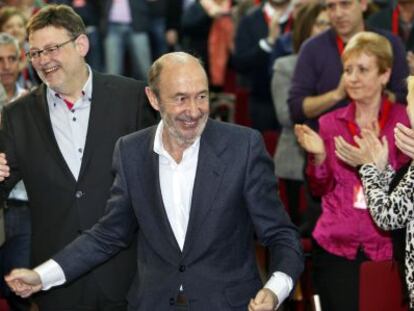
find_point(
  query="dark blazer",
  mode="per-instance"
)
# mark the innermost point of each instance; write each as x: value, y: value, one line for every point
x: 61, y: 207
x: 234, y: 198
x: 383, y: 20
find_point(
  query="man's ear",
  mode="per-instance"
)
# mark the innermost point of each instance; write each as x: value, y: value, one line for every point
x: 82, y: 44
x: 153, y: 99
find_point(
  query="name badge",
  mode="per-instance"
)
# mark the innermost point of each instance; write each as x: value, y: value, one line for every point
x: 78, y: 3
x: 359, y: 197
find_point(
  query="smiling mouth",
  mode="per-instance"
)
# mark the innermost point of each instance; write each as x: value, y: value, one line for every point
x: 190, y: 124
x: 50, y: 70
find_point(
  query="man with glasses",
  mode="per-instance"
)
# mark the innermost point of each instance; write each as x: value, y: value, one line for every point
x: 59, y: 140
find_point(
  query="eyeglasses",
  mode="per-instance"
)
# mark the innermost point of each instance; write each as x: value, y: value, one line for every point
x: 51, y: 50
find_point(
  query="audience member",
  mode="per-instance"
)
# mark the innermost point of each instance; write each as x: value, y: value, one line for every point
x: 157, y: 26
x: 399, y: 20
x: 284, y: 43
x: 14, y: 22
x: 255, y: 36
x: 173, y: 24
x: 194, y: 240
x: 345, y: 235
x: 59, y: 140
x: 125, y: 28
x: 311, y: 20
x: 207, y: 29
x: 317, y: 86
x: 15, y: 251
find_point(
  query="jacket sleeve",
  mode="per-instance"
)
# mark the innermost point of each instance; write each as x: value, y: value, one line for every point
x: 320, y: 177
x: 114, y: 231
x: 304, y: 81
x: 272, y: 224
x: 280, y: 88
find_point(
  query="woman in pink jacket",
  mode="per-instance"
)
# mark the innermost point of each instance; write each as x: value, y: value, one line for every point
x: 345, y: 234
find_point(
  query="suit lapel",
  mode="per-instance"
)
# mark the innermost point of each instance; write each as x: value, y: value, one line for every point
x: 97, y: 118
x: 150, y: 184
x: 207, y: 182
x: 42, y: 120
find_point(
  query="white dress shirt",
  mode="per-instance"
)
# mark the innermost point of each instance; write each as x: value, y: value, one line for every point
x: 176, y: 183
x: 19, y: 190
x: 71, y: 126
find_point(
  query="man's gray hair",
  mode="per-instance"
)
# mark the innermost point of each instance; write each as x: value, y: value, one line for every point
x: 7, y: 39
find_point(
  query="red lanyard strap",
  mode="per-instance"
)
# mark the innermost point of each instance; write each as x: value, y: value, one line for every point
x: 382, y: 120
x: 340, y: 44
x: 395, y: 20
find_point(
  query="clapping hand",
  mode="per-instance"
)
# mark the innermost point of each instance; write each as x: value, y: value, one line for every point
x: 404, y: 139
x: 369, y: 149
x: 311, y: 142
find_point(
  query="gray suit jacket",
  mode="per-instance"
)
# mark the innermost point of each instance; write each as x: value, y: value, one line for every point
x: 289, y: 157
x: 234, y: 198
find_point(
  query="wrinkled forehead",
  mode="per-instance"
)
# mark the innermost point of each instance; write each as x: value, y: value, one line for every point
x: 8, y: 48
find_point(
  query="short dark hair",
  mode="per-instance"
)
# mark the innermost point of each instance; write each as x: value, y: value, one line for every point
x: 59, y: 16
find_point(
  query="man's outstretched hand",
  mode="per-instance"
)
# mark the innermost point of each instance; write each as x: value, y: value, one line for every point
x: 265, y: 300
x: 24, y: 282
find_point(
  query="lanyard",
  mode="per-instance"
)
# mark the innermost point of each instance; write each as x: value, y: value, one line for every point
x: 382, y: 120
x: 395, y: 20
x: 340, y: 44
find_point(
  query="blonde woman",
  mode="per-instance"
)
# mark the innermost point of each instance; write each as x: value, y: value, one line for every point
x: 345, y: 234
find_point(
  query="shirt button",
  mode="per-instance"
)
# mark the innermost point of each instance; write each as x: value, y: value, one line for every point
x: 80, y: 150
x: 182, y: 268
x: 74, y: 119
x: 79, y: 194
x: 172, y: 301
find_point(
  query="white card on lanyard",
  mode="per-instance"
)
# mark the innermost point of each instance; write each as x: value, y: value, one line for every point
x: 359, y: 197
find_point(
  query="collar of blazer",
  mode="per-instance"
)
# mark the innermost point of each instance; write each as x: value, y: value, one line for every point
x: 207, y: 183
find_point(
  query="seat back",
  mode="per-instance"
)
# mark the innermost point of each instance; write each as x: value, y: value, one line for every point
x: 380, y: 287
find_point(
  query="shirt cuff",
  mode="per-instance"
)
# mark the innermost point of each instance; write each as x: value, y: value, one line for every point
x: 281, y: 284
x: 51, y: 274
x: 265, y: 45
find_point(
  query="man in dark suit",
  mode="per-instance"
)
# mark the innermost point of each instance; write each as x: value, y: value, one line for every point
x: 196, y: 191
x: 59, y: 140
x: 256, y: 34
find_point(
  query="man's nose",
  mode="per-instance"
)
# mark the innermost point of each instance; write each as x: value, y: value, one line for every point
x: 193, y: 108
x: 6, y: 64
